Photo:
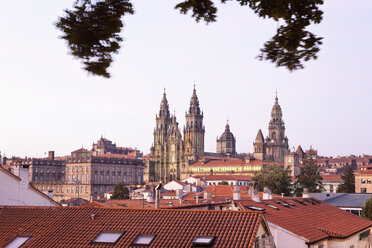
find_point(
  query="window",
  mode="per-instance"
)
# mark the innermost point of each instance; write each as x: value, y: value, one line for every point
x: 144, y: 239
x: 18, y: 242
x: 363, y: 180
x: 206, y: 241
x: 369, y: 181
x: 363, y: 190
x: 68, y: 189
x: 108, y: 237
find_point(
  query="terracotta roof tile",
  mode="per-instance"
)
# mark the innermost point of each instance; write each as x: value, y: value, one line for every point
x: 314, y: 222
x: 78, y: 227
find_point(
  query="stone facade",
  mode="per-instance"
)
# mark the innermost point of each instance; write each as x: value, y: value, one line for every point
x: 85, y: 174
x: 171, y: 154
x: 275, y: 146
x: 226, y: 143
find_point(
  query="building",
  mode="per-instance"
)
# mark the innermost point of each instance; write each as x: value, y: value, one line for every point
x: 226, y: 143
x: 175, y: 157
x: 275, y: 146
x: 307, y: 222
x: 351, y: 202
x: 108, y: 227
x: 171, y: 154
x: 331, y: 182
x: 363, y: 182
x: 16, y: 190
x: 86, y: 173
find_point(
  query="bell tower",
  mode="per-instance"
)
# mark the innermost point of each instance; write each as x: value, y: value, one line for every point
x: 277, y: 142
x: 194, y: 129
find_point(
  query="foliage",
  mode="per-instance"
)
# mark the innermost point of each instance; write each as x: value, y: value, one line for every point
x: 120, y: 192
x: 224, y: 183
x: 367, y: 209
x: 292, y: 44
x: 309, y: 176
x: 348, y: 181
x: 275, y: 178
x: 92, y: 30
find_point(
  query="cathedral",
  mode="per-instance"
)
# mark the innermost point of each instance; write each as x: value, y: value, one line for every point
x: 172, y: 153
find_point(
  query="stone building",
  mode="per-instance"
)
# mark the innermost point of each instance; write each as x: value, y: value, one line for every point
x: 275, y: 146
x: 171, y: 153
x: 85, y: 174
x: 226, y: 142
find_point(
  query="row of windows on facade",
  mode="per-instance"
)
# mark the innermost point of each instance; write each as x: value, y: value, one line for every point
x: 240, y: 168
x: 85, y: 178
x: 74, y: 189
x: 84, y: 169
x: 368, y: 180
x: 231, y: 183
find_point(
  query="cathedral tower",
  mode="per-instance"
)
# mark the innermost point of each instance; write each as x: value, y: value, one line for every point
x: 157, y: 169
x: 276, y: 142
x: 259, y: 146
x: 194, y: 130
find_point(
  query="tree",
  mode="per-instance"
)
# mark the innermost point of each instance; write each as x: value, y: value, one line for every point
x: 91, y: 29
x: 367, y: 209
x: 309, y: 176
x: 120, y: 192
x: 348, y: 181
x: 275, y: 178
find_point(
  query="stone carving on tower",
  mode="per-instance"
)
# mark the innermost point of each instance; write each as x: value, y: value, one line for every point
x: 275, y: 146
x: 226, y: 142
x: 170, y: 155
x: 193, y: 131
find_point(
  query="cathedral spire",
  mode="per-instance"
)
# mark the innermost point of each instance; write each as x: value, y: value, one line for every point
x: 164, y: 107
x: 276, y: 112
x: 194, y: 108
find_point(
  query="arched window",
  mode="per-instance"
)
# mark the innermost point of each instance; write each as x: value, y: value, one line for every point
x: 273, y: 135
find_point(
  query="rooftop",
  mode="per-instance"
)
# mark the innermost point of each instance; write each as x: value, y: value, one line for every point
x: 310, y: 218
x: 79, y: 227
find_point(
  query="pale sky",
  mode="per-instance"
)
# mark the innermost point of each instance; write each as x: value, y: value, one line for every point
x: 49, y: 103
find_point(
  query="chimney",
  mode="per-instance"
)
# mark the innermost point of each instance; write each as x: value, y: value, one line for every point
x: 197, y: 199
x: 150, y: 197
x: 50, y: 193
x: 267, y: 194
x: 157, y: 195
x: 305, y: 193
x: 179, y: 193
x: 207, y: 195
x: 51, y: 155
x: 198, y: 182
x: 188, y: 188
x: 253, y: 191
x: 236, y: 194
x: 91, y: 198
x: 22, y: 173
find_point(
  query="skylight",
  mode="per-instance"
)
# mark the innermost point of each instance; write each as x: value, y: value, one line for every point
x: 203, y: 241
x: 267, y: 204
x: 18, y: 242
x: 108, y: 237
x: 144, y: 239
x: 255, y: 208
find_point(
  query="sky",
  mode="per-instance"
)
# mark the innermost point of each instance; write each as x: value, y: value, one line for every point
x: 49, y: 103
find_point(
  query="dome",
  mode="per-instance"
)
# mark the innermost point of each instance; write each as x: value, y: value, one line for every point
x: 227, y: 135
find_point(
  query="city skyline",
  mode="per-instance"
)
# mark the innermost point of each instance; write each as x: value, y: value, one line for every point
x: 49, y: 102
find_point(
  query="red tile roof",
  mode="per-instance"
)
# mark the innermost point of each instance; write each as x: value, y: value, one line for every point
x: 78, y: 227
x: 81, y: 150
x: 332, y: 177
x: 314, y: 222
x: 367, y: 172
